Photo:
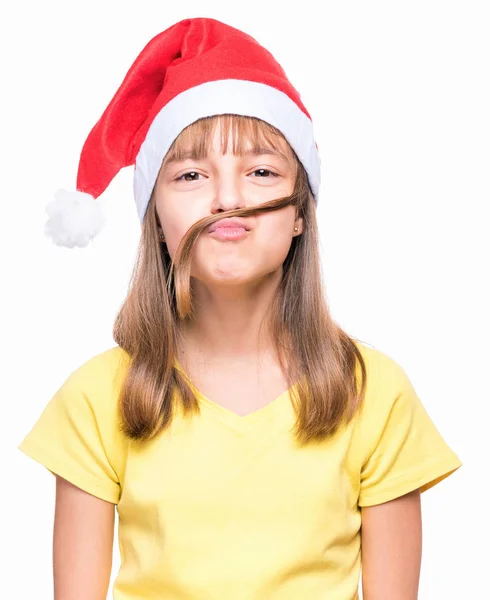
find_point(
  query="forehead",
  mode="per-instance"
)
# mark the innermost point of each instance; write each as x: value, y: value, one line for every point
x: 225, y: 134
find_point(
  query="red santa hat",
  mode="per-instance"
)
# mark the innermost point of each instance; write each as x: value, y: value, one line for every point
x: 196, y: 68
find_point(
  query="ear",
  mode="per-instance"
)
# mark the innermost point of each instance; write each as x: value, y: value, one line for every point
x: 299, y: 223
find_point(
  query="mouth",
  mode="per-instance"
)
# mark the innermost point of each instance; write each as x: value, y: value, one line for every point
x: 229, y: 233
x: 229, y: 229
x: 233, y: 222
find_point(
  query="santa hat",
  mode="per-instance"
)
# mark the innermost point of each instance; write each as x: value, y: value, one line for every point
x: 196, y: 68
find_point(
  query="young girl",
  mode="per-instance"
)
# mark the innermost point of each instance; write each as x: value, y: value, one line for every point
x: 251, y: 446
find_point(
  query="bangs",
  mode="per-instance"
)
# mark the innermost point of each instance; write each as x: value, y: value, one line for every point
x: 243, y: 134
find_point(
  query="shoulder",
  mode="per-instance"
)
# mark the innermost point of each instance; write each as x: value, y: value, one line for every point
x: 388, y: 390
x: 77, y: 435
x: 390, y: 400
x: 95, y: 385
x: 101, y: 372
x: 398, y: 446
x: 384, y: 374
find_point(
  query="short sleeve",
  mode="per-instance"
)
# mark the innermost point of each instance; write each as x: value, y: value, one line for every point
x: 76, y: 436
x: 405, y: 450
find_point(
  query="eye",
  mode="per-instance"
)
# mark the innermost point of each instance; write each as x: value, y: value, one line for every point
x: 189, y: 176
x: 265, y: 173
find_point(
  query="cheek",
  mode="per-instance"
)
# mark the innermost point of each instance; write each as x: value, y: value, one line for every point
x: 274, y: 237
x: 276, y: 228
x: 173, y: 237
x: 175, y: 225
x: 273, y: 247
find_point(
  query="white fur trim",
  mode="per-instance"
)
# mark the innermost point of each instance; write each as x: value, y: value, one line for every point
x: 227, y: 96
x: 74, y: 218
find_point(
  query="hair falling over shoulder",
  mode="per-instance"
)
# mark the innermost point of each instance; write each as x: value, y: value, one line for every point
x: 314, y: 352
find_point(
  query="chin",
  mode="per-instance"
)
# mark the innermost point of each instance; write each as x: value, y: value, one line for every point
x: 227, y: 278
x: 235, y: 276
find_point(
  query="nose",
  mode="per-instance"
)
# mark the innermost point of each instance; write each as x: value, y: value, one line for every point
x: 228, y: 194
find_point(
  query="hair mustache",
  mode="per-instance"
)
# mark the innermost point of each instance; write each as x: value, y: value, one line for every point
x: 182, y: 256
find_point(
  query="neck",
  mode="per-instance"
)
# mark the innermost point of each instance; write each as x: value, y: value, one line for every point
x: 231, y: 322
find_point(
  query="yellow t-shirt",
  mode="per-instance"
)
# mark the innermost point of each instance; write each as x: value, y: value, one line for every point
x: 223, y: 506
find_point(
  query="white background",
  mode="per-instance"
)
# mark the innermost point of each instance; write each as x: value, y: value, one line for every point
x: 399, y: 95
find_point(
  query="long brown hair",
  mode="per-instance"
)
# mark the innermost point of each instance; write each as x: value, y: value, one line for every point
x: 313, y: 351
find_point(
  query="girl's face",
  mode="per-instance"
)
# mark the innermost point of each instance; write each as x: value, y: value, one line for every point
x: 190, y: 189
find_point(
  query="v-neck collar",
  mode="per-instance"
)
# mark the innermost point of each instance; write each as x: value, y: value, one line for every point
x: 267, y: 412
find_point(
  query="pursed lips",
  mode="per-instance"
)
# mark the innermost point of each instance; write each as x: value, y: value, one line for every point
x: 229, y: 223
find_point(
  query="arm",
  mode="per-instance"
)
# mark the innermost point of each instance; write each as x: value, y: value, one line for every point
x: 391, y: 549
x: 82, y: 544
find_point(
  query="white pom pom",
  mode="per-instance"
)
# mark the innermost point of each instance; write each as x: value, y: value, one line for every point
x: 74, y: 218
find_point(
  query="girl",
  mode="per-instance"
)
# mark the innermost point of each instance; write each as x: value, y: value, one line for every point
x: 251, y: 446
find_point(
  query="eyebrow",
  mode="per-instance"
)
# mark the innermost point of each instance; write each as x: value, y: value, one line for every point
x: 258, y: 151
x: 261, y: 151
